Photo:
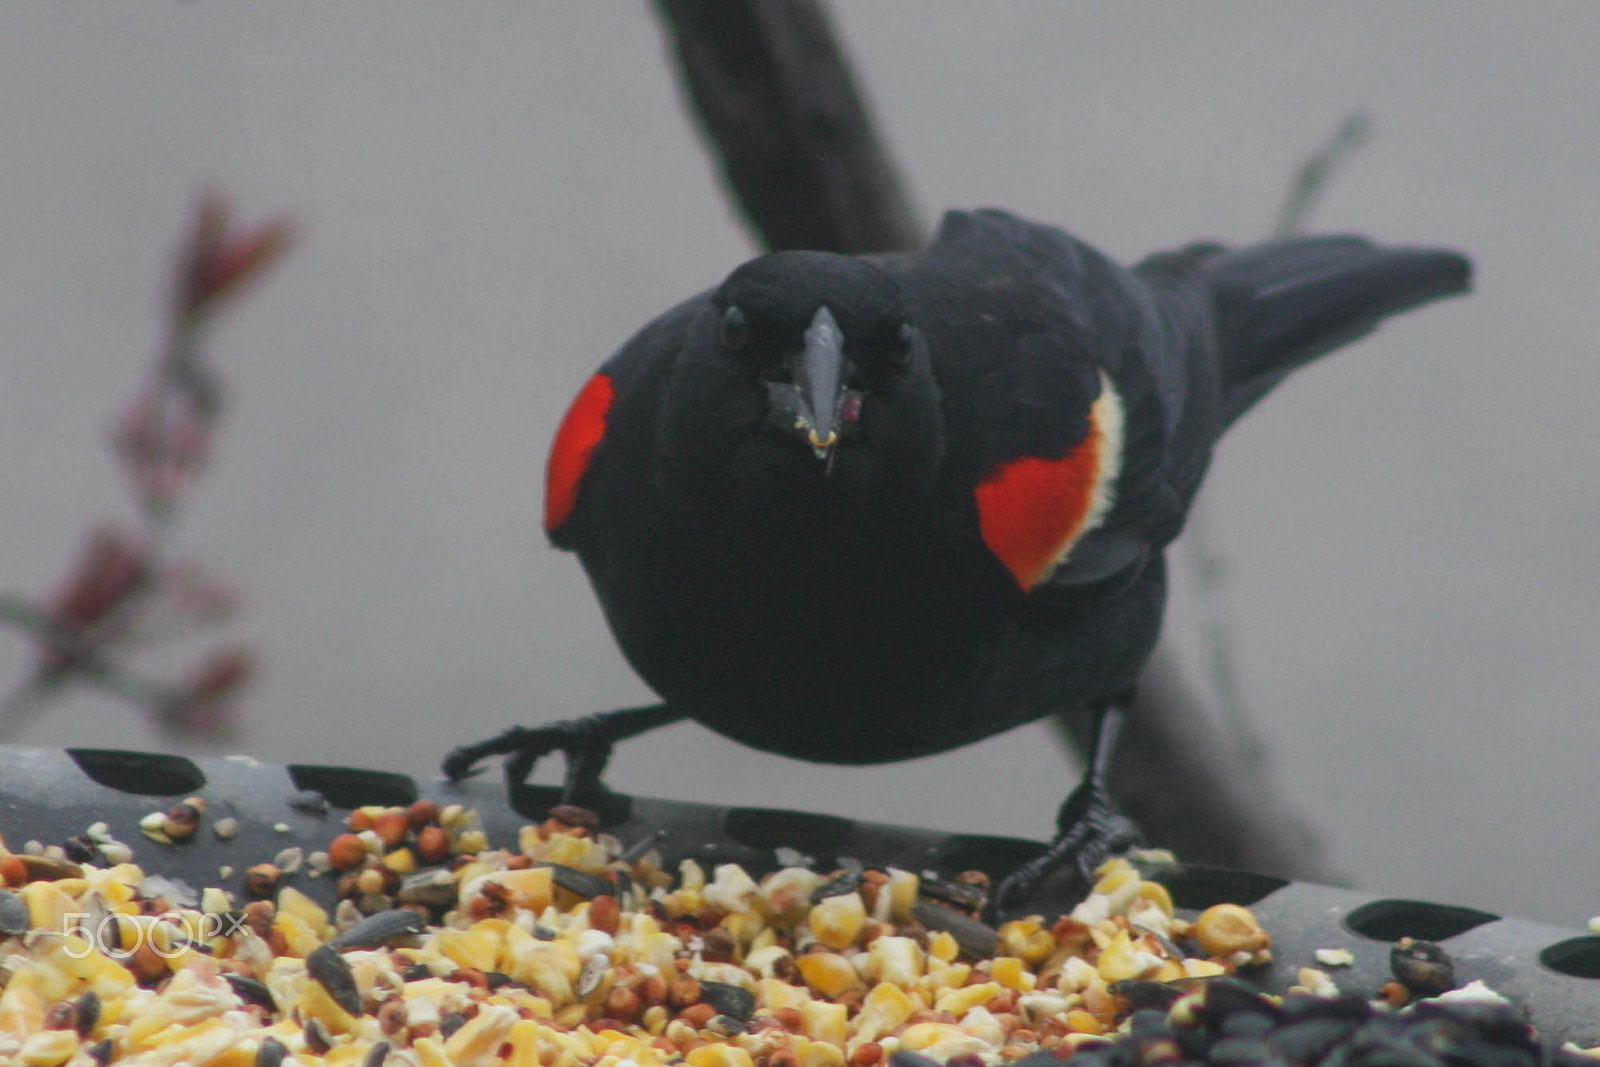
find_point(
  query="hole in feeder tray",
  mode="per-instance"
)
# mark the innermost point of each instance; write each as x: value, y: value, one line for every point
x: 1578, y: 957
x: 1390, y: 920
x: 349, y: 787
x: 1198, y: 887
x: 146, y: 773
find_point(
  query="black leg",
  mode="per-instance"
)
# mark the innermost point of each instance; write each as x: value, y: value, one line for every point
x: 1089, y: 828
x: 586, y: 742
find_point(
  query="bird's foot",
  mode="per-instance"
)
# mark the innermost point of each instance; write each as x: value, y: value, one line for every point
x: 586, y: 742
x: 1091, y: 830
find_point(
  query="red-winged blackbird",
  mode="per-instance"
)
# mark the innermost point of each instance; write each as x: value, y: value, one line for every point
x: 859, y: 509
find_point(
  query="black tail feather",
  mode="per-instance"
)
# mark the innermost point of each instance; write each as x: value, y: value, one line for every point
x: 1284, y: 303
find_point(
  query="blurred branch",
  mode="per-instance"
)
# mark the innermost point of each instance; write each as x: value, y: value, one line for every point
x: 775, y: 97
x: 121, y: 595
x: 1315, y: 173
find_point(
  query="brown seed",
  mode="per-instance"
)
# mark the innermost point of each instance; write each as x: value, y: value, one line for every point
x: 604, y: 913
x: 183, y: 819
x: 698, y: 1015
x: 784, y: 1057
x: 718, y: 945
x: 59, y: 1016
x: 1394, y: 994
x: 518, y: 862
x: 789, y: 1018
x: 12, y: 871
x: 433, y: 844
x: 392, y: 1016
x: 347, y: 851
x: 866, y: 1054
x: 623, y: 1004
x: 653, y: 990
x: 145, y: 962
x: 422, y: 813
x: 261, y: 881
x: 683, y: 992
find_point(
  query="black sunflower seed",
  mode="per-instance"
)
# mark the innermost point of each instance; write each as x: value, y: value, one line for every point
x: 963, y: 895
x: 13, y: 914
x: 252, y: 991
x: 977, y: 939
x: 837, y: 886
x: 733, y: 1001
x: 583, y: 883
x: 332, y: 972
x: 380, y: 929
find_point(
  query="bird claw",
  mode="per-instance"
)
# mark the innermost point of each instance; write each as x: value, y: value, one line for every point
x: 586, y: 742
x: 1091, y: 830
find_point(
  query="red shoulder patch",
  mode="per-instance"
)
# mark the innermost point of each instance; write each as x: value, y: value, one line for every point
x: 1031, y: 510
x: 581, y: 430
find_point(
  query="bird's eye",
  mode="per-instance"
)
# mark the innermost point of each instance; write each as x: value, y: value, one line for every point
x: 733, y: 331
x: 905, y: 345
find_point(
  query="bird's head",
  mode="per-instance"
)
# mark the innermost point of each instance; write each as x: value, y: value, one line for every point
x: 809, y: 355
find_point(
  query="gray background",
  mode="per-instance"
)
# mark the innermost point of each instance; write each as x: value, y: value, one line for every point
x: 492, y: 196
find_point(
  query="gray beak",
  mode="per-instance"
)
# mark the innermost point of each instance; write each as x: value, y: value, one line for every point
x: 817, y: 375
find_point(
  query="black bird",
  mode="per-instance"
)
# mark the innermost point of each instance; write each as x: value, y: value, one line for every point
x: 860, y: 509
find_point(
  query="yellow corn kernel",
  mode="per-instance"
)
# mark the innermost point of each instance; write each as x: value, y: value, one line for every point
x: 828, y: 973
x: 1196, y: 968
x: 819, y: 1054
x: 298, y: 937
x: 48, y: 906
x: 1123, y: 960
x: 959, y: 1001
x: 894, y: 959
x: 551, y: 967
x: 946, y: 976
x: 48, y: 1048
x: 775, y: 993
x: 1224, y: 929
x: 940, y: 1041
x: 401, y: 861
x: 882, y: 1010
x: 532, y: 887
x: 821, y: 1020
x: 296, y: 903
x: 429, y: 1052
x: 942, y: 946
x: 718, y: 1054
x: 478, y: 1042
x: 21, y: 1006
x: 837, y: 920
x: 524, y: 1041
x: 1157, y: 892
x: 1010, y: 972
x: 1082, y: 1022
x: 902, y: 893
x: 786, y: 894
x: 472, y: 947
x: 1026, y: 940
